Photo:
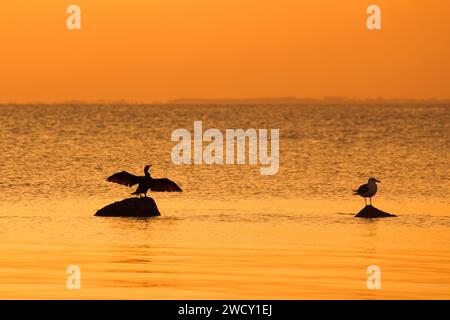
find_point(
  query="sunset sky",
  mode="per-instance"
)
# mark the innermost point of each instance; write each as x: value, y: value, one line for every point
x: 157, y: 50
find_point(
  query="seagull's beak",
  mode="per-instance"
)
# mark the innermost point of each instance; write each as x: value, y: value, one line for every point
x: 378, y: 181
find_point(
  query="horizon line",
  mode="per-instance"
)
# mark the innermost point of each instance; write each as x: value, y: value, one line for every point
x: 260, y: 100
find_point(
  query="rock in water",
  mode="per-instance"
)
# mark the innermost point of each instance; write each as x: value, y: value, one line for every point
x: 131, y: 207
x: 371, y: 212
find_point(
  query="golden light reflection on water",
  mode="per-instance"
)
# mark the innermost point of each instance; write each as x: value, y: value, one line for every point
x: 304, y: 252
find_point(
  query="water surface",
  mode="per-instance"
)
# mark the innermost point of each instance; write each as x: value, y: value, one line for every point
x: 233, y: 233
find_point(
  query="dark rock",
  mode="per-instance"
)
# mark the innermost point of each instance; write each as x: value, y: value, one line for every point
x: 371, y: 212
x: 131, y: 207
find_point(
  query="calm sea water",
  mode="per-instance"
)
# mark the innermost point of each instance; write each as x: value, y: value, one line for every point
x: 233, y: 233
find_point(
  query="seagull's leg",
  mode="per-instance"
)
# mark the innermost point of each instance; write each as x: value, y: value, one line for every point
x: 365, y: 201
x: 370, y: 200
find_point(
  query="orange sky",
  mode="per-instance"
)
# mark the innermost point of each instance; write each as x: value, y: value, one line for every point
x: 154, y: 50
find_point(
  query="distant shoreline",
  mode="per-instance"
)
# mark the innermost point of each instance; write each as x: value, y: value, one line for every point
x: 251, y: 101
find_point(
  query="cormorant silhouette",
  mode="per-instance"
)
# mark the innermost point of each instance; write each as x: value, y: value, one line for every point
x: 144, y: 182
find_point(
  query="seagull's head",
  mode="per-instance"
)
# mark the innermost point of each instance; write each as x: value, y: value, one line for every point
x: 373, y: 180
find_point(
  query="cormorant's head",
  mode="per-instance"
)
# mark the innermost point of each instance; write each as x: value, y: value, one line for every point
x: 373, y: 180
x: 147, y: 167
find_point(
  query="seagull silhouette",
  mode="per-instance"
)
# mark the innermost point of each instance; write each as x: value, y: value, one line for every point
x: 367, y: 190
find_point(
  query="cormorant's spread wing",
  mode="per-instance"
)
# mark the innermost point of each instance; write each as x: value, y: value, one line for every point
x: 363, y: 189
x: 164, y: 185
x: 125, y: 178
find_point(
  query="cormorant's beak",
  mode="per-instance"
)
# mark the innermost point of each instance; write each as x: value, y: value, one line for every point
x: 378, y: 181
